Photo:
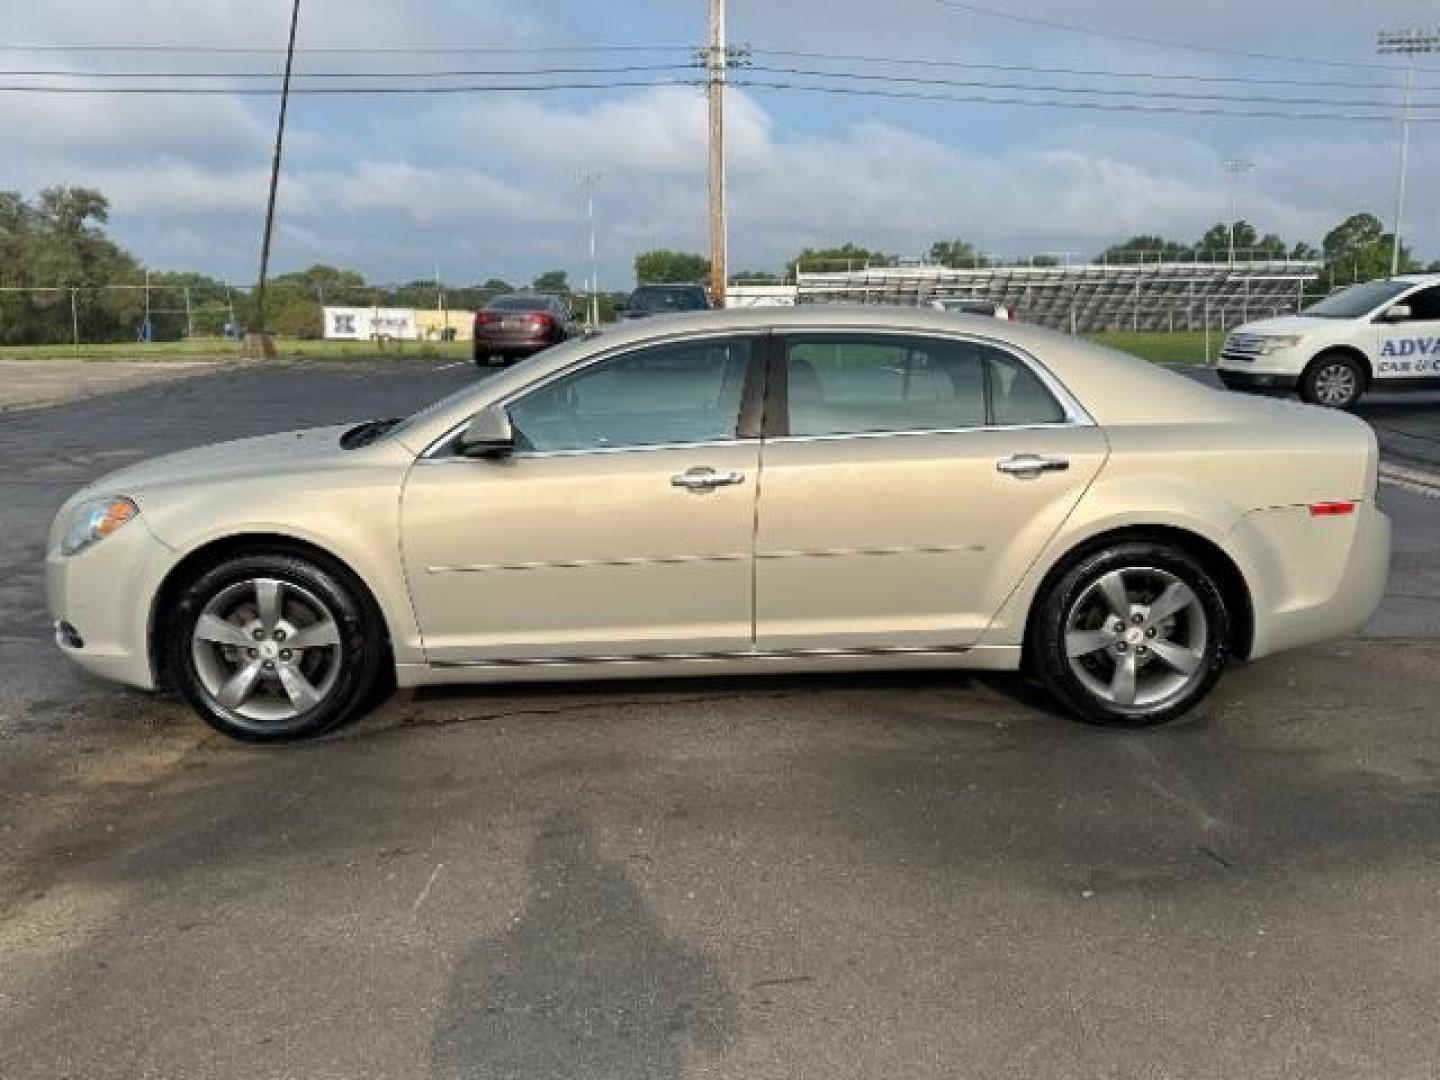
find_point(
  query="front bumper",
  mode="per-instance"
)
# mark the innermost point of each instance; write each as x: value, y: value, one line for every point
x: 1257, y: 380
x: 101, y: 601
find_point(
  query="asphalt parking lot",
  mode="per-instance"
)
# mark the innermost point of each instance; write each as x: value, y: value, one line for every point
x: 907, y: 876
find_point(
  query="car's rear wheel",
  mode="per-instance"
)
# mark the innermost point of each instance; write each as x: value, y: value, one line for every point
x: 274, y: 647
x: 1132, y: 635
x: 1333, y: 380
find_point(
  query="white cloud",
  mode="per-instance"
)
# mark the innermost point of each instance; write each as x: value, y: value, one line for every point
x: 486, y: 185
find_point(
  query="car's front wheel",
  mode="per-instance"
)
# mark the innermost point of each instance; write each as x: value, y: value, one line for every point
x: 274, y: 647
x: 1132, y: 635
x: 1333, y: 380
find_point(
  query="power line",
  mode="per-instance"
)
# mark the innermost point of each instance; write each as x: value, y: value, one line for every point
x: 459, y: 73
x: 339, y: 91
x: 911, y: 61
x: 835, y: 76
x: 1098, y: 91
x: 975, y: 99
x: 634, y: 68
x: 368, y: 50
x: 1099, y: 106
x: 1164, y: 43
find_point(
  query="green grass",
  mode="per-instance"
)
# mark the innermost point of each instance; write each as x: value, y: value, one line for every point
x: 216, y: 349
x: 1180, y: 347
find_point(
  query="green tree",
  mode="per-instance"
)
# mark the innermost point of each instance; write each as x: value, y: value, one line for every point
x: 664, y: 267
x: 1359, y: 249
x: 846, y: 256
x: 1214, y: 246
x: 754, y: 277
x: 1145, y: 248
x: 956, y: 253
x: 555, y: 281
x: 1044, y: 260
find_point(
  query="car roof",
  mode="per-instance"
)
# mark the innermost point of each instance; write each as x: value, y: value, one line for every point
x: 1418, y: 279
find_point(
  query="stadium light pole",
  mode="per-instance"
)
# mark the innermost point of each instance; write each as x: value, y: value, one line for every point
x: 260, y: 343
x: 1235, y: 167
x: 587, y: 179
x: 1411, y: 43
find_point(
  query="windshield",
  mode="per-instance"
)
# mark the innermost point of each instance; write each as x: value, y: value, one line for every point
x: 1357, y: 301
x: 690, y: 299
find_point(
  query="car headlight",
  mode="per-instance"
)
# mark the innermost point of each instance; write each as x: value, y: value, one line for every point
x: 1276, y: 344
x: 92, y: 521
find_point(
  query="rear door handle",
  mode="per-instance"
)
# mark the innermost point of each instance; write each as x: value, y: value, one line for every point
x: 1029, y: 466
x: 704, y: 478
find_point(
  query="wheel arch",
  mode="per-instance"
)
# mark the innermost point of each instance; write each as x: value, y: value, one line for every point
x: 1239, y: 604
x: 213, y: 552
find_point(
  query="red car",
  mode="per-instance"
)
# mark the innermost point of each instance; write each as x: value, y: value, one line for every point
x: 520, y: 324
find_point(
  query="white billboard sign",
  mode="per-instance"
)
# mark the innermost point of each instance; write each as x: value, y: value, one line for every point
x: 370, y: 324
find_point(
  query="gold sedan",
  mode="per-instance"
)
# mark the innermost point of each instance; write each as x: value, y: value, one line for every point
x: 803, y: 490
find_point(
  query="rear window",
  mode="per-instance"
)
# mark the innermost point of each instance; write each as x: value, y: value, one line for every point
x: 519, y: 303
x: 679, y: 299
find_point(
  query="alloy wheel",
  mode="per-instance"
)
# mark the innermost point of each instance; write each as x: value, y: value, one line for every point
x: 1336, y: 385
x: 1136, y: 638
x: 267, y: 650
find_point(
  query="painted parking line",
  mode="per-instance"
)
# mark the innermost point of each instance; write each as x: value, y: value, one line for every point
x: 1417, y: 481
x: 457, y: 363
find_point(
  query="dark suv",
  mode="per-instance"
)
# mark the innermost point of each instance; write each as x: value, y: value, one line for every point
x: 520, y: 324
x: 665, y: 300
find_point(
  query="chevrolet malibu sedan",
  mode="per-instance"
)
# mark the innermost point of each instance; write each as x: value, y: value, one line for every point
x: 805, y: 490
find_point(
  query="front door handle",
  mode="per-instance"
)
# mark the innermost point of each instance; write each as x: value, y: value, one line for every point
x: 704, y: 478
x: 1029, y: 466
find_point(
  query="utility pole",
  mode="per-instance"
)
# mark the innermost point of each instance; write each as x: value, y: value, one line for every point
x: 587, y: 179
x: 716, y: 62
x: 259, y: 343
x: 1236, y: 167
x: 1411, y: 43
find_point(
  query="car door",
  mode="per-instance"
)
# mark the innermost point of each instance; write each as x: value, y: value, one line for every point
x: 914, y: 480
x: 1410, y: 349
x: 621, y: 526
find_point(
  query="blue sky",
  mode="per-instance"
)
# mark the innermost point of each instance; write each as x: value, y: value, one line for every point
x: 484, y: 185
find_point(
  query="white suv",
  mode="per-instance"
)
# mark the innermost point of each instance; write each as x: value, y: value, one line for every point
x: 1382, y: 335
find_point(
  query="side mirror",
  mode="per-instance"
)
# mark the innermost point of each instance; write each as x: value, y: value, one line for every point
x: 489, y: 435
x: 1397, y: 313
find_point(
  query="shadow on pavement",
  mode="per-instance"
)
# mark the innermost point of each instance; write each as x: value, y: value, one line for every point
x: 585, y: 984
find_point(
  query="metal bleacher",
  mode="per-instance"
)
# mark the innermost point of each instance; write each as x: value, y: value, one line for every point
x: 1153, y: 295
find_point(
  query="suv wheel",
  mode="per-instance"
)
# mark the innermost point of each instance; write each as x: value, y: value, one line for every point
x: 1132, y: 635
x: 272, y: 647
x: 1333, y: 380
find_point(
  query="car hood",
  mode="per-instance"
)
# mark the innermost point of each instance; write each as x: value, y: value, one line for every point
x: 265, y: 455
x: 1288, y: 324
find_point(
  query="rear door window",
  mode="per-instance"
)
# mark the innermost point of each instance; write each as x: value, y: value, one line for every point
x: 860, y: 384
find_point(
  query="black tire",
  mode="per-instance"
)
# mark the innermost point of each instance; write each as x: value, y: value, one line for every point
x: 351, y: 672
x: 1068, y: 600
x: 1333, y: 380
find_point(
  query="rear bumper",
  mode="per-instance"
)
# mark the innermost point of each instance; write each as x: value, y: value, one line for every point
x: 490, y: 342
x: 1313, y: 579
